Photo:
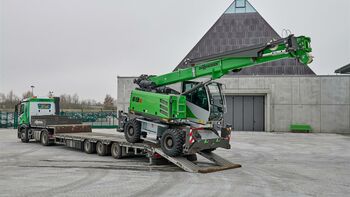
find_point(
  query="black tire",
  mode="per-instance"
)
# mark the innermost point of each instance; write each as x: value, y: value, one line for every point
x: 44, y: 138
x: 116, y: 151
x: 172, y: 142
x: 89, y: 147
x: 132, y: 131
x: 192, y: 157
x: 19, y: 134
x: 24, y: 135
x: 101, y: 149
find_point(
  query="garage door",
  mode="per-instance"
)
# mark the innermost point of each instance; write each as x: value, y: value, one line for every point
x: 246, y: 113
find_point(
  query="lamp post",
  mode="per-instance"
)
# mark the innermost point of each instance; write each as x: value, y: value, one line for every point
x: 32, y: 89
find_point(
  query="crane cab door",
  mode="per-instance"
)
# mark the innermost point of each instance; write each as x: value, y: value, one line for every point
x: 204, y: 103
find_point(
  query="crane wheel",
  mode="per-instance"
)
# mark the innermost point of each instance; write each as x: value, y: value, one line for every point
x: 89, y: 147
x: 101, y: 149
x: 172, y: 142
x: 116, y: 151
x: 132, y: 131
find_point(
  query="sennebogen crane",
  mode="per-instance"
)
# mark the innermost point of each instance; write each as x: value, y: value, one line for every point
x: 191, y: 121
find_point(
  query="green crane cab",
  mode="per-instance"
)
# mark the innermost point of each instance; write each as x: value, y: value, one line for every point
x: 191, y: 120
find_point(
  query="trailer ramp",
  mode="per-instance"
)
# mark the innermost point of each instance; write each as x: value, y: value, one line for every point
x: 189, y: 166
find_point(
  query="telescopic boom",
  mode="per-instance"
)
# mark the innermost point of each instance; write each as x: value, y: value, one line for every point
x: 220, y: 64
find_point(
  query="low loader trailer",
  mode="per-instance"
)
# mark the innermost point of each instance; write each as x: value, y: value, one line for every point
x: 118, y: 147
x: 40, y: 121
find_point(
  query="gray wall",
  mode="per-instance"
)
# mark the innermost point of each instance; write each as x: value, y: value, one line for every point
x: 321, y: 101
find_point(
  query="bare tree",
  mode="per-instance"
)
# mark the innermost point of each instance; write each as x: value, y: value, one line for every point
x: 108, y: 102
x: 27, y: 94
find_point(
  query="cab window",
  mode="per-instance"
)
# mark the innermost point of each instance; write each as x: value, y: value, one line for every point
x: 21, y: 109
x: 44, y: 106
x: 199, y: 98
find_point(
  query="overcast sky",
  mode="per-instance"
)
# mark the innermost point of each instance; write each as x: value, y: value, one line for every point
x: 80, y: 46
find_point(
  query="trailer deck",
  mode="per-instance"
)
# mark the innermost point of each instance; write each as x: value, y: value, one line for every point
x: 146, y: 148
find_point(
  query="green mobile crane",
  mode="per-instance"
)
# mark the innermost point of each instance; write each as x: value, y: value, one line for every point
x: 191, y: 121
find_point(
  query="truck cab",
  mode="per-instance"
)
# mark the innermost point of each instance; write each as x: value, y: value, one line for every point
x: 30, y: 107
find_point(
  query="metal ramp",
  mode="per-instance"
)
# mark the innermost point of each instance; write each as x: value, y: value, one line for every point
x: 189, y: 166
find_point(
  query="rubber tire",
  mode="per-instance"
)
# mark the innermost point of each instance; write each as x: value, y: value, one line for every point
x: 89, y: 147
x: 178, y: 140
x: 24, y: 135
x: 116, y: 151
x: 192, y: 157
x: 101, y: 149
x: 44, y: 138
x: 136, y: 135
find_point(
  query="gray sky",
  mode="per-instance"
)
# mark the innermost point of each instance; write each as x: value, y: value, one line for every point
x: 80, y: 46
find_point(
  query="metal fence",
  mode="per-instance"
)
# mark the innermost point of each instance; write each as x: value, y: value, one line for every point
x: 101, y: 119
x: 8, y: 120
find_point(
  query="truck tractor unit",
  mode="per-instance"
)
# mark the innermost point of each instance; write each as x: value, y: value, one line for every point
x: 191, y: 121
x: 39, y: 119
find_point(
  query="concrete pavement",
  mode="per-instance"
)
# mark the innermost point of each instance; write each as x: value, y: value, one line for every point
x: 274, y: 164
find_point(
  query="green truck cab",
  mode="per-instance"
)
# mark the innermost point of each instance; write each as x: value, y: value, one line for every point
x: 30, y: 107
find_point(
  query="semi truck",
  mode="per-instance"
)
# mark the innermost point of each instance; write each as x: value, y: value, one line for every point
x: 163, y: 122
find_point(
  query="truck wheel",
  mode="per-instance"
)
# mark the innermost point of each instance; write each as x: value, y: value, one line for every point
x: 45, y: 138
x: 19, y: 134
x: 101, y: 149
x: 24, y: 135
x: 132, y: 131
x: 116, y: 151
x: 89, y: 147
x: 192, y: 157
x: 172, y: 142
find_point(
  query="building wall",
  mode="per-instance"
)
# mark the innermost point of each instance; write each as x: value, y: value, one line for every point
x: 320, y: 101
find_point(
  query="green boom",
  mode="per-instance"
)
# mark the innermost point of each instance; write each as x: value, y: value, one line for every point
x: 221, y: 64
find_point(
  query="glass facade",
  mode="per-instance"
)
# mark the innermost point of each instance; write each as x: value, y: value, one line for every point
x: 240, y: 6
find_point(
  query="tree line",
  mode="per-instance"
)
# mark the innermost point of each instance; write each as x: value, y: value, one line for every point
x: 67, y: 101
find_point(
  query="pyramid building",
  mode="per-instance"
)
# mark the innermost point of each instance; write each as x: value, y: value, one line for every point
x: 241, y: 26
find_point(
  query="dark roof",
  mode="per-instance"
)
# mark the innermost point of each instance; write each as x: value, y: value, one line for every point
x: 343, y: 70
x: 241, y: 26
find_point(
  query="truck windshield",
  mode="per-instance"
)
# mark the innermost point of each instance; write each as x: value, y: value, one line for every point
x: 217, y: 103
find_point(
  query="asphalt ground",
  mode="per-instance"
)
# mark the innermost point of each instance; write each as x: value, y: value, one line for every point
x: 273, y: 164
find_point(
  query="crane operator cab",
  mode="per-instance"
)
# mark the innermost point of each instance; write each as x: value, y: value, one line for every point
x: 205, y: 102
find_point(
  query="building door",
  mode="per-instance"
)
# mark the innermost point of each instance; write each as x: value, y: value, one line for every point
x: 246, y: 113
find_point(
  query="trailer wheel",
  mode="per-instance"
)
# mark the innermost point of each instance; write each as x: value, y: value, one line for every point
x: 89, y: 147
x: 132, y: 131
x: 172, y: 142
x: 24, y: 135
x: 44, y: 138
x: 101, y: 149
x: 116, y: 151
